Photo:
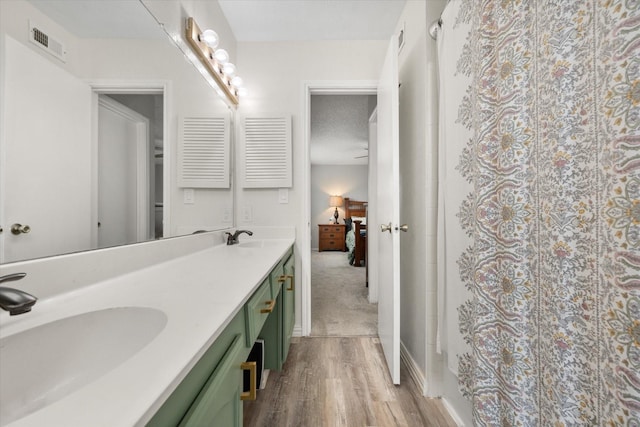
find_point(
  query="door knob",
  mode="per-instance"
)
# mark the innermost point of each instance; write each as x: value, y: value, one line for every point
x: 385, y: 227
x: 403, y: 227
x: 18, y: 229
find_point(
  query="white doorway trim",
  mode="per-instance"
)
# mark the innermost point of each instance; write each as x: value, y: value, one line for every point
x: 142, y: 151
x: 136, y: 87
x: 322, y: 87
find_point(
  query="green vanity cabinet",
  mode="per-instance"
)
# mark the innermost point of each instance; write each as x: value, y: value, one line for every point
x: 215, y: 362
x: 288, y: 304
x: 211, y: 393
x: 278, y: 329
x: 218, y: 403
x: 272, y: 335
x: 257, y: 310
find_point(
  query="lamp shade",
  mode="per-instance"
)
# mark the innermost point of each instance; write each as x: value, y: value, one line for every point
x: 335, y: 201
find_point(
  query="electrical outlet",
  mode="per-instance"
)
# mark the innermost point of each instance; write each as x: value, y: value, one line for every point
x: 247, y: 214
x: 189, y: 196
x: 226, y: 215
x: 283, y: 195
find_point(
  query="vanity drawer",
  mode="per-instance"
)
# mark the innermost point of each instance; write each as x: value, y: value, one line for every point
x: 278, y: 273
x: 276, y: 279
x: 260, y: 305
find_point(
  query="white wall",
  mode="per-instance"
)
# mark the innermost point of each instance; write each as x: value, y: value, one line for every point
x: 327, y: 180
x: 275, y: 75
x: 418, y: 203
x: 413, y: 171
x: 133, y: 61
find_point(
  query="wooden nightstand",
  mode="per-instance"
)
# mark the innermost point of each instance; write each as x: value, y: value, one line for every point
x: 332, y: 237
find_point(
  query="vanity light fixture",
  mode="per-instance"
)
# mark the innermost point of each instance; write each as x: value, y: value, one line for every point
x: 222, y: 56
x: 237, y: 81
x: 216, y: 61
x: 229, y: 69
x: 210, y: 37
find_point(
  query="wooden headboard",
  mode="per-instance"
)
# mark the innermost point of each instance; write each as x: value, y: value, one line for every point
x: 354, y: 208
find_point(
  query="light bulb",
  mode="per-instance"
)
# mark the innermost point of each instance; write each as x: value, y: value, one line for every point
x: 243, y: 91
x: 221, y: 56
x: 229, y: 69
x: 237, y: 81
x: 210, y: 37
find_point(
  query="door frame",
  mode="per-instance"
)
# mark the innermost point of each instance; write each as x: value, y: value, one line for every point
x: 136, y: 87
x: 144, y: 167
x: 324, y: 87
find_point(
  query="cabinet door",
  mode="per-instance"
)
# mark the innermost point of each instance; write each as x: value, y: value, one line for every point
x: 191, y: 387
x: 257, y: 311
x: 289, y: 305
x: 278, y: 328
x: 219, y: 401
x: 272, y: 335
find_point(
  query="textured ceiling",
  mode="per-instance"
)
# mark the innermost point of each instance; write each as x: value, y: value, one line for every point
x: 287, y: 20
x: 340, y: 129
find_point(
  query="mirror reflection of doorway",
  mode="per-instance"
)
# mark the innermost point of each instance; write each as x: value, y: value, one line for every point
x: 130, y: 168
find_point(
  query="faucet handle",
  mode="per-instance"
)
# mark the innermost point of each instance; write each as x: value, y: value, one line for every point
x: 12, y: 277
x: 15, y: 301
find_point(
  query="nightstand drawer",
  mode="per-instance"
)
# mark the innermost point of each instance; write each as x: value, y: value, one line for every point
x: 331, y: 237
x: 331, y: 244
x: 327, y: 229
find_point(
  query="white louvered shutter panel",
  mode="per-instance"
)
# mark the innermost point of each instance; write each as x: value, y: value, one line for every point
x: 203, y: 153
x: 267, y: 152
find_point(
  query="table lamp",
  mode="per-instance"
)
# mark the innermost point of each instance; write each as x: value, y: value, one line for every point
x: 335, y: 201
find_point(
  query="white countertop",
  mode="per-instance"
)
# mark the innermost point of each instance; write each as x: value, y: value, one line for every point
x: 200, y: 293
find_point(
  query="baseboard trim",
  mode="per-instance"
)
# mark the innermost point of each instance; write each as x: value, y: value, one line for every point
x: 297, y: 330
x: 414, y: 370
x: 417, y: 376
x: 452, y: 413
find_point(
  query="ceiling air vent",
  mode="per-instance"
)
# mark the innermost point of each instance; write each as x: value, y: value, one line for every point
x: 38, y: 37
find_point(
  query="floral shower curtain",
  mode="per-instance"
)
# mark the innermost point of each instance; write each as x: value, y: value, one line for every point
x: 554, y: 108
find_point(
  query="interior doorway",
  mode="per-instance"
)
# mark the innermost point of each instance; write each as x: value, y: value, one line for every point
x: 337, y: 298
x: 138, y: 102
x: 130, y: 168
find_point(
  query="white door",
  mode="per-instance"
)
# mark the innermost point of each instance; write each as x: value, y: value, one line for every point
x: 387, y: 211
x: 123, y: 174
x: 45, y: 153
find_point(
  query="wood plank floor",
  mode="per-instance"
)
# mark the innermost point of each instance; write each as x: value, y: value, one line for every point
x: 340, y: 381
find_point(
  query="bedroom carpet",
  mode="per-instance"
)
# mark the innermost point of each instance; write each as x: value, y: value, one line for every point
x: 339, y: 298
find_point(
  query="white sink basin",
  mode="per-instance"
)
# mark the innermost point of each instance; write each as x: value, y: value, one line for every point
x: 42, y: 365
x: 258, y: 244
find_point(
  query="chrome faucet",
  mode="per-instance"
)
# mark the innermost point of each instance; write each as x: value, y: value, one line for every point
x: 232, y: 239
x: 13, y: 300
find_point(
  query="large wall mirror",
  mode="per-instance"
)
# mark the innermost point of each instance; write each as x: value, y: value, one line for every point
x: 93, y: 97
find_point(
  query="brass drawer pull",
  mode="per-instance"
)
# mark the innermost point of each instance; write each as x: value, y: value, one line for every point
x: 269, y: 309
x: 285, y: 277
x: 252, y: 368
